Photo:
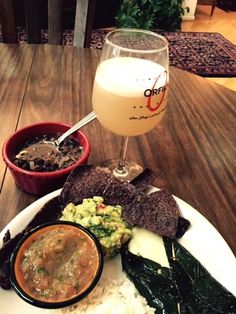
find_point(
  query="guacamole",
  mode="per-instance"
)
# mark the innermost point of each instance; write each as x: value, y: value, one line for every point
x: 104, y: 221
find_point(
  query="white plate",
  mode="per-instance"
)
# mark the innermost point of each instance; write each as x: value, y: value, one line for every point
x: 202, y: 240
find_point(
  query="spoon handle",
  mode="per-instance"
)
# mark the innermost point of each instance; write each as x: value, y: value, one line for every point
x: 90, y: 117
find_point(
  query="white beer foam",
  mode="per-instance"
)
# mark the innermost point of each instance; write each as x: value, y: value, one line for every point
x: 128, y: 76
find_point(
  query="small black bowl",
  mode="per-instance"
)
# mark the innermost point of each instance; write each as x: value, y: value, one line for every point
x: 17, y: 276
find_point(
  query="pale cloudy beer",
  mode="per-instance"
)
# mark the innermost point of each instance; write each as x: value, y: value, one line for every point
x: 130, y: 94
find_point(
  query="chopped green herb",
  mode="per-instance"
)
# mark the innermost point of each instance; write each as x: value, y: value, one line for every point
x: 42, y: 270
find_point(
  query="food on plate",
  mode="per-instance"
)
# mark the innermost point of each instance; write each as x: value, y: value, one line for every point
x: 143, y: 243
x: 157, y: 212
x: 85, y: 181
x: 174, y: 283
x: 56, y: 263
x: 113, y: 294
x: 104, y: 221
x: 91, y: 181
x: 38, y: 154
x: 184, y: 287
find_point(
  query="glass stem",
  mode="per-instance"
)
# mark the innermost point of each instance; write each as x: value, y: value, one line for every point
x: 121, y: 165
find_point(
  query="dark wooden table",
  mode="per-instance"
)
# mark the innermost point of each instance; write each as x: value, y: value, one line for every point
x: 194, y: 146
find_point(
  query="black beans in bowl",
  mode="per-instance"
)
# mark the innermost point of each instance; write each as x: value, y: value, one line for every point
x: 39, y: 155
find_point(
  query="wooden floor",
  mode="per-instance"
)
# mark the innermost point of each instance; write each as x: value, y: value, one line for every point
x: 221, y: 22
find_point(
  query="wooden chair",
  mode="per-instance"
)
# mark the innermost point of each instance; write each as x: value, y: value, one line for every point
x: 84, y: 15
x: 213, y: 4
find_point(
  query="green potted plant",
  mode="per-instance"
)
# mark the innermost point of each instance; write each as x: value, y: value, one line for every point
x: 151, y: 14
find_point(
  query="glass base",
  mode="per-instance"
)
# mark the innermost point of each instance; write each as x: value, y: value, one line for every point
x: 130, y: 171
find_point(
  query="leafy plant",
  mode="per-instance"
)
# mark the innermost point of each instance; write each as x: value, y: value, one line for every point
x: 150, y: 14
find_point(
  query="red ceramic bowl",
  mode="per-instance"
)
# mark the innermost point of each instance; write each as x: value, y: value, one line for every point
x: 40, y: 183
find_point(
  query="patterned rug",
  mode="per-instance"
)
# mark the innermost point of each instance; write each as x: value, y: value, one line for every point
x: 204, y: 54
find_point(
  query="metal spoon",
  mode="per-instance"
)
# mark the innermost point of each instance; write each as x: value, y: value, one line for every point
x: 87, y: 119
x: 45, y: 148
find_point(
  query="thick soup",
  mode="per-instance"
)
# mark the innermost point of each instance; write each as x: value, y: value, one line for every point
x: 56, y: 263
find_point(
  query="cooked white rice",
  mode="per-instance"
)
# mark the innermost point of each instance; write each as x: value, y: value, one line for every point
x: 114, y: 293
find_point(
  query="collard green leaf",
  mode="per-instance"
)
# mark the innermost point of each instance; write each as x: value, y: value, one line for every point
x: 200, y: 292
x: 187, y: 285
x: 152, y: 281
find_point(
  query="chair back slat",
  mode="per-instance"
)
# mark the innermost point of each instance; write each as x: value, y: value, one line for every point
x: 89, y: 23
x: 80, y: 22
x: 55, y: 22
x: 7, y: 21
x: 84, y: 16
x: 32, y: 21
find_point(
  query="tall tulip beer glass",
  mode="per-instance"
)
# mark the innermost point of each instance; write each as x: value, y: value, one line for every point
x: 130, y: 87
